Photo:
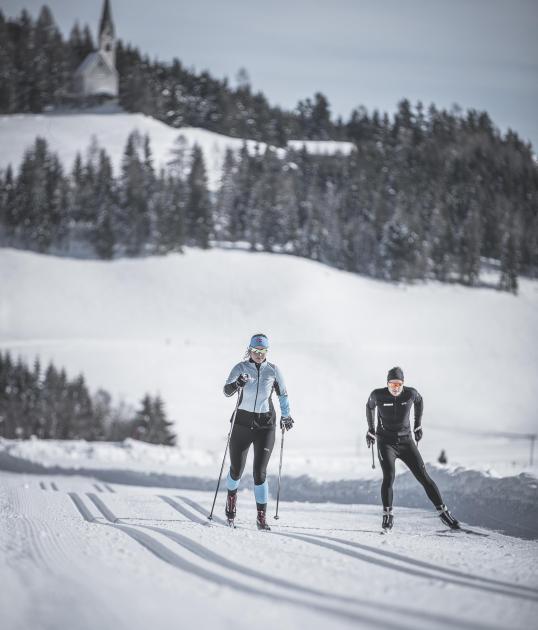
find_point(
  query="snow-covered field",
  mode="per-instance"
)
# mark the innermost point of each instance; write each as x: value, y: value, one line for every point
x: 68, y: 134
x: 82, y: 554
x: 177, y: 324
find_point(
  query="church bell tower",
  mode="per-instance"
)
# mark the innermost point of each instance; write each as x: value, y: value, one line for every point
x: 107, y: 35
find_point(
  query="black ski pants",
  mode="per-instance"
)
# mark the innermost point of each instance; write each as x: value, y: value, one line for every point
x: 240, y: 441
x: 407, y: 451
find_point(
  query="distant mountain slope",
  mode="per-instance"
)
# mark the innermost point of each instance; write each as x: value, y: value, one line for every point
x: 177, y: 324
x: 68, y: 134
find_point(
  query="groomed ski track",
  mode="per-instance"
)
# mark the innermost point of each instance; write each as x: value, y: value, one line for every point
x: 360, y: 578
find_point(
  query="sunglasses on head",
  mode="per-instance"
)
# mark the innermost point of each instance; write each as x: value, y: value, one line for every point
x: 260, y: 351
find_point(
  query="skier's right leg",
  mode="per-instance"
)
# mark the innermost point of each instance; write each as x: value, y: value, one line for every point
x: 387, y: 454
x: 240, y: 442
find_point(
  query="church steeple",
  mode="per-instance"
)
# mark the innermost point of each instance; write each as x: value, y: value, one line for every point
x: 107, y: 35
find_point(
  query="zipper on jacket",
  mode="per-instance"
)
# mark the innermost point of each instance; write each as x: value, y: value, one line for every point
x: 257, y: 387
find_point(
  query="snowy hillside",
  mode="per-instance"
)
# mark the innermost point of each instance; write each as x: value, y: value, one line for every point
x: 177, y: 324
x: 71, y: 133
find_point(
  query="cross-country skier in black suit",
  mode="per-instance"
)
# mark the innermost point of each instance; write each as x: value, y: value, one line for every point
x: 394, y: 440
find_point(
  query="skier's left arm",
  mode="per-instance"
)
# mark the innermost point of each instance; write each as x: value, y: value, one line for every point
x: 419, y: 408
x: 282, y: 393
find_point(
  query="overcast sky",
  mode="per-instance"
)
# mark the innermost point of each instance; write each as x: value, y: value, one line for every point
x: 481, y: 54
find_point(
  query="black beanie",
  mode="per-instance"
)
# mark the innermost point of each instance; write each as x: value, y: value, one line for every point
x: 395, y: 374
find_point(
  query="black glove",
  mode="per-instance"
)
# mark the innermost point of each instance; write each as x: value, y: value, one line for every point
x: 418, y: 434
x: 370, y: 438
x: 241, y: 380
x: 286, y: 422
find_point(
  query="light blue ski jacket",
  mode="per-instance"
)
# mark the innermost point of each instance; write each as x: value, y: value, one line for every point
x: 256, y: 395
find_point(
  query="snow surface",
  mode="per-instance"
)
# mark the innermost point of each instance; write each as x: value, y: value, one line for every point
x: 508, y: 504
x: 81, y: 554
x: 68, y: 134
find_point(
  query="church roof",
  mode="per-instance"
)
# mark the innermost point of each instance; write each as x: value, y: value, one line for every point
x: 92, y: 60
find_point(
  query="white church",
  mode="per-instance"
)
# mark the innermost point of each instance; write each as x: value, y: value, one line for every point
x: 97, y: 75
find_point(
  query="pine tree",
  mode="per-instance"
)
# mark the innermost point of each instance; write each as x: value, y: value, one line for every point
x: 510, y: 255
x: 53, y: 401
x: 49, y: 63
x: 262, y: 218
x: 160, y: 428
x: 320, y: 123
x: 170, y: 214
x: 103, y: 234
x: 286, y: 211
x: 135, y: 217
x: 7, y: 392
x: 439, y: 245
x: 470, y: 242
x: 31, y: 197
x: 83, y: 424
x: 101, y: 403
x: 198, y: 211
x: 151, y: 425
x: 243, y: 183
x: 8, y: 98
x: 224, y: 204
x: 179, y: 165
x: 398, y: 249
x: 80, y: 45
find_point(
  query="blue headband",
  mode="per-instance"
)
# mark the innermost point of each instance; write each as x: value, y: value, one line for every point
x: 259, y: 341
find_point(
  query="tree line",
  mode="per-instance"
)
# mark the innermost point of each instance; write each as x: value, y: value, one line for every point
x: 426, y: 195
x: 47, y: 404
x: 37, y: 65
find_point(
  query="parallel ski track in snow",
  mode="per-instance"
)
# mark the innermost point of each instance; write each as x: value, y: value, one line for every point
x: 168, y: 556
x: 390, y: 560
x: 416, y: 618
x: 426, y: 569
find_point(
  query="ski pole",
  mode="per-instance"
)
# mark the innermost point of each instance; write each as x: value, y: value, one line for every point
x: 373, y: 460
x: 279, y: 472
x: 210, y: 517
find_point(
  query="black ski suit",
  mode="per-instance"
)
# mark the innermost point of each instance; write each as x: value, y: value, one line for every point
x: 394, y: 439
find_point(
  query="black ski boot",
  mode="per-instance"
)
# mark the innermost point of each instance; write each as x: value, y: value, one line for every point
x: 388, y: 520
x: 231, y: 501
x: 261, y: 523
x: 447, y: 517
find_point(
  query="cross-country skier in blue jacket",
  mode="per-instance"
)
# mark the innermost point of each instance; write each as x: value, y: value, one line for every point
x: 255, y: 422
